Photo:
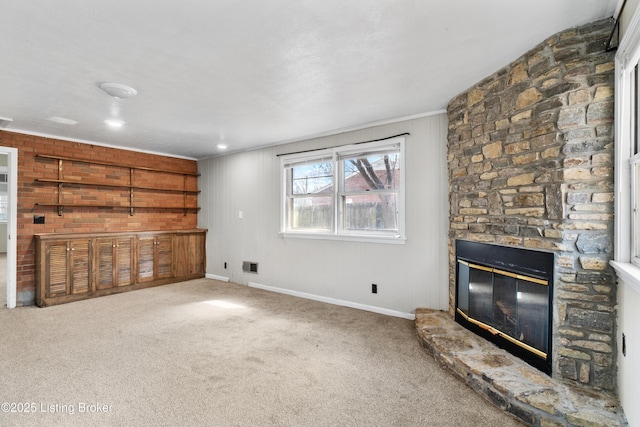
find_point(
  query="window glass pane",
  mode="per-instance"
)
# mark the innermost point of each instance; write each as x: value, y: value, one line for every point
x: 311, y: 213
x: 313, y: 178
x: 371, y: 212
x: 3, y: 207
x: 634, y: 108
x: 374, y: 171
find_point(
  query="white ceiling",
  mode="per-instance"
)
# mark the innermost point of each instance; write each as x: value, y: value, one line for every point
x: 253, y: 73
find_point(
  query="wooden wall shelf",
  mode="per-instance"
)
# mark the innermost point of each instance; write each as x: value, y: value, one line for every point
x: 106, y: 184
x: 119, y: 165
x: 131, y: 186
x: 131, y: 208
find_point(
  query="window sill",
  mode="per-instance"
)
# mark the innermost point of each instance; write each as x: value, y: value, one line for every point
x: 629, y: 273
x: 390, y: 240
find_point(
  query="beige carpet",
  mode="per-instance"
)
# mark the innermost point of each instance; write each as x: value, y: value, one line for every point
x: 210, y: 353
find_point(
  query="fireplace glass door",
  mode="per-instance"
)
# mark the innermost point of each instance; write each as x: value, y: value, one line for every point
x: 506, y: 303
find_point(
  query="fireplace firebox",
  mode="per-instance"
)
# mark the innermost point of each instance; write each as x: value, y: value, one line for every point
x: 504, y: 294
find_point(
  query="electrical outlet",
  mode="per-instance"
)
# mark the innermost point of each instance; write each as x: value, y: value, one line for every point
x: 374, y: 288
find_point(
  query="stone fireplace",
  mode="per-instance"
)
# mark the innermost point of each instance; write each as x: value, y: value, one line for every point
x: 530, y: 166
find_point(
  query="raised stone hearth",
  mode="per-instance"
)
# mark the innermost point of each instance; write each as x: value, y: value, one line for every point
x: 509, y: 383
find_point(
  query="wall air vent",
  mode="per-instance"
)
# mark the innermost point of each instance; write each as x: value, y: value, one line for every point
x: 250, y: 267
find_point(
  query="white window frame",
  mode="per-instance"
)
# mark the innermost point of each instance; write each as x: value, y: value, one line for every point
x: 338, y: 231
x: 634, y: 166
x: 627, y: 261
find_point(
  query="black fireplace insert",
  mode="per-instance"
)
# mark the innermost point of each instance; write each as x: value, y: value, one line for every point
x: 505, y: 295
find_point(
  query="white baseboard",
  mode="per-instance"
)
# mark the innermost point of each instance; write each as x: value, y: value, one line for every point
x: 215, y: 277
x: 334, y: 301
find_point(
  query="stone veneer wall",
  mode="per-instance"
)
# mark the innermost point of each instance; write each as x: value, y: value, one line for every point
x: 530, y: 165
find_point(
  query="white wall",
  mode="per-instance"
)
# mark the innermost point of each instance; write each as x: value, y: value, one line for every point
x: 625, y: 18
x: 629, y: 365
x: 408, y: 276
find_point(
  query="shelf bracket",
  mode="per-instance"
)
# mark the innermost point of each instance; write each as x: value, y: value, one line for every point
x: 60, y: 186
x: 132, y: 210
x: 184, y: 195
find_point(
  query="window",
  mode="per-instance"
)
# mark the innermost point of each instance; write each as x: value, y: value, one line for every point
x: 627, y: 157
x: 353, y: 192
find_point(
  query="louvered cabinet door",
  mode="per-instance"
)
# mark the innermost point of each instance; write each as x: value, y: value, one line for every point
x: 105, y: 263
x: 146, y: 255
x: 56, y: 269
x: 115, y: 262
x: 124, y: 261
x: 155, y: 257
x: 164, y: 256
x: 80, y: 265
x: 68, y: 268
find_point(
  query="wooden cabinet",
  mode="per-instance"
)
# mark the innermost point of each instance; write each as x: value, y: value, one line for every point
x: 189, y: 254
x: 155, y: 257
x: 72, y: 267
x: 114, y: 262
x: 66, y: 266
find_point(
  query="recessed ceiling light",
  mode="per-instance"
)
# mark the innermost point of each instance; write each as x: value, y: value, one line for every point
x: 118, y: 90
x: 222, y: 146
x: 114, y: 123
x: 62, y: 120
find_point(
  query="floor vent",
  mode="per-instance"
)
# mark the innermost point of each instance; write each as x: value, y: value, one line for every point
x: 250, y: 267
